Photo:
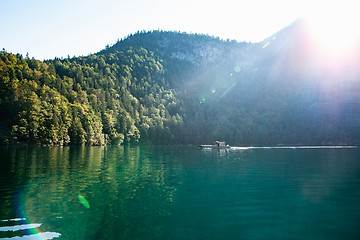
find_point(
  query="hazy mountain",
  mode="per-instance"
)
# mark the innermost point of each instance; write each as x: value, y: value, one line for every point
x: 170, y: 87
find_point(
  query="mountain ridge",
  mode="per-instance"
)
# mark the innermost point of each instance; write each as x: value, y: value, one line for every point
x: 173, y: 88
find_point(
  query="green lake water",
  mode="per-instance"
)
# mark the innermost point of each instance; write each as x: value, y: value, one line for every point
x: 178, y: 192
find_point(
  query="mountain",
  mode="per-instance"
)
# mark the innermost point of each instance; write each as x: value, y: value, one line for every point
x: 176, y: 88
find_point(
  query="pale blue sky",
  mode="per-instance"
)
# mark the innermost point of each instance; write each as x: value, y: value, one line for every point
x: 58, y: 28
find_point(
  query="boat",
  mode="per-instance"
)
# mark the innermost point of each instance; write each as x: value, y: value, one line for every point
x: 216, y: 145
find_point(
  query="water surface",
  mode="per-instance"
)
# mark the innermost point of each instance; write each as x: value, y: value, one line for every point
x: 179, y: 193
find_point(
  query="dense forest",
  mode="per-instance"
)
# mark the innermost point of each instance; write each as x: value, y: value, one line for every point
x: 176, y: 88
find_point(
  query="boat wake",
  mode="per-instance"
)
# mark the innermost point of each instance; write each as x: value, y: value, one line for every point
x: 293, y: 147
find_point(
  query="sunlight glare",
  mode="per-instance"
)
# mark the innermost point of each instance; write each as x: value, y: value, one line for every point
x: 333, y: 25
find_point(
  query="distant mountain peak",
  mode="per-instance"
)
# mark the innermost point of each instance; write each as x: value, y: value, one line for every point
x: 196, y: 49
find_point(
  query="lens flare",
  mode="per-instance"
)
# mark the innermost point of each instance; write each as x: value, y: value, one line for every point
x: 265, y: 45
x: 32, y: 229
x: 64, y: 206
x: 237, y: 68
x: 83, y: 201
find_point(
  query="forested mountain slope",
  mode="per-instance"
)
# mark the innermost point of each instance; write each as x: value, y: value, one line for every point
x: 168, y: 87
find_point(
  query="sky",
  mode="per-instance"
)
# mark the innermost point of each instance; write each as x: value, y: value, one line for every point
x: 46, y: 29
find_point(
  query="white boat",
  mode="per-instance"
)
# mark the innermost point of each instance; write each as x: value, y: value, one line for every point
x: 216, y: 145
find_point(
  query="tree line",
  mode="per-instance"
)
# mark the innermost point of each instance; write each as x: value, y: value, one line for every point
x: 94, y: 100
x: 174, y: 88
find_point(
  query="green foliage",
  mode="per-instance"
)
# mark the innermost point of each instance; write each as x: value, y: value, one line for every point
x: 94, y: 100
x: 167, y: 88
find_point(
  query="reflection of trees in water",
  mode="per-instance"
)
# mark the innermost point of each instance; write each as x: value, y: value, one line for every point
x: 142, y: 192
x: 130, y: 190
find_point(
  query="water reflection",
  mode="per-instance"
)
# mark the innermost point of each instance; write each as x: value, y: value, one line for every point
x: 179, y: 193
x: 114, y: 181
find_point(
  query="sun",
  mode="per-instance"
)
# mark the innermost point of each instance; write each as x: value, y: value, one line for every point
x: 334, y: 25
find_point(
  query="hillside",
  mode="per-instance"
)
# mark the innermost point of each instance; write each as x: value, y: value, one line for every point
x: 176, y: 88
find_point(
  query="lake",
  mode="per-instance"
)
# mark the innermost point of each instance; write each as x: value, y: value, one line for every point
x: 179, y: 192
